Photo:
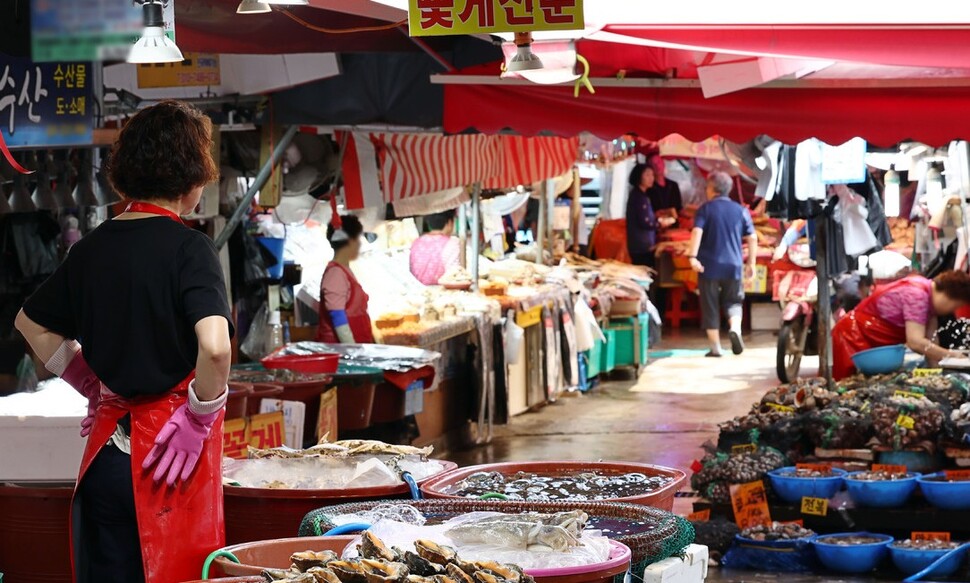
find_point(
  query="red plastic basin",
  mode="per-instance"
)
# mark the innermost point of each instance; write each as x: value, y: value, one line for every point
x: 35, y: 533
x: 274, y: 554
x: 663, y: 498
x: 254, y: 557
x: 256, y: 514
x: 305, y: 363
x: 237, y: 404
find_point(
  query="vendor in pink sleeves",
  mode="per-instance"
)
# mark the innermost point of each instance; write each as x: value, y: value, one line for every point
x: 438, y: 250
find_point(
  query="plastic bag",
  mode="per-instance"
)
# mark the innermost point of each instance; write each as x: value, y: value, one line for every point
x: 514, y: 335
x: 254, y: 345
x: 792, y: 556
x: 595, y: 547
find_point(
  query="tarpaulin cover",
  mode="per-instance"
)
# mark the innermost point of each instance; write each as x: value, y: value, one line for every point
x: 902, y: 45
x: 882, y: 116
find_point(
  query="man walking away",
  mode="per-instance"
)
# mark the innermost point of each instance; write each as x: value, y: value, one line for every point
x: 716, y: 255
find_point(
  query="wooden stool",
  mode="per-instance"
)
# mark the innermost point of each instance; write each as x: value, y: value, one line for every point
x: 677, y: 311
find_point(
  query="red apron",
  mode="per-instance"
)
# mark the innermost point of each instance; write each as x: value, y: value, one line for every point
x: 863, y: 328
x: 357, y: 317
x: 178, y: 527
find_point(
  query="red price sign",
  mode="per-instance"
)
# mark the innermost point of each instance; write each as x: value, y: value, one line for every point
x: 700, y: 515
x: 957, y: 475
x: 750, y: 504
x: 940, y: 536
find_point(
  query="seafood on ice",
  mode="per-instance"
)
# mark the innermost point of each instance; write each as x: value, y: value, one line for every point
x: 533, y: 531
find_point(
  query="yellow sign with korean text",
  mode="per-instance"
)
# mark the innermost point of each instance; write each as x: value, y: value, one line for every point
x: 444, y: 17
x: 815, y: 506
x: 197, y: 70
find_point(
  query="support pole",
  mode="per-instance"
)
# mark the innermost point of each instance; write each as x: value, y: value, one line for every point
x: 550, y: 212
x: 541, y: 226
x: 463, y: 234
x: 824, y: 301
x: 476, y: 231
x: 261, y: 178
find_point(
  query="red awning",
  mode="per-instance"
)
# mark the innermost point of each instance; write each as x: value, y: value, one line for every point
x: 901, y: 45
x: 882, y: 116
x: 416, y: 165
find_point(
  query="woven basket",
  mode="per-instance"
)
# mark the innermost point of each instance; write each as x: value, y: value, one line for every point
x: 657, y: 534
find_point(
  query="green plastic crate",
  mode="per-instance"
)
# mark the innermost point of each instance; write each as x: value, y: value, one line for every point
x: 623, y: 329
x: 594, y: 359
x: 608, y: 355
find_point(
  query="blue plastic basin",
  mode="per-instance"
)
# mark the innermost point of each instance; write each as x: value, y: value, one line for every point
x: 880, y: 494
x: 852, y: 558
x: 792, y: 489
x: 945, y: 495
x: 880, y: 360
x: 911, y: 561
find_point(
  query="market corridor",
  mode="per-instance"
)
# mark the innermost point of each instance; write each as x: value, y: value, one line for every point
x: 663, y: 417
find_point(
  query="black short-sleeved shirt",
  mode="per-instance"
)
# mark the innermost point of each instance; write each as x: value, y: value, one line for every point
x: 131, y: 292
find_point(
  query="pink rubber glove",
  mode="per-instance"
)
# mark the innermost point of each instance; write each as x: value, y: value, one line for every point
x: 69, y: 364
x: 180, y: 441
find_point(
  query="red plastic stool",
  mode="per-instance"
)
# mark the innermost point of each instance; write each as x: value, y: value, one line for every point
x: 681, y: 306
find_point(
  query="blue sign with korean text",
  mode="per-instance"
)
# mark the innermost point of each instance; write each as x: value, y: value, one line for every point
x: 45, y: 104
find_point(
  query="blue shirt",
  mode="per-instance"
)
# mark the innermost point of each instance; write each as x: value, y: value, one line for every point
x: 725, y: 223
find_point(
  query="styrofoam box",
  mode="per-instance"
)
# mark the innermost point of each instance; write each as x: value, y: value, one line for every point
x: 690, y: 568
x: 765, y: 316
x: 40, y: 449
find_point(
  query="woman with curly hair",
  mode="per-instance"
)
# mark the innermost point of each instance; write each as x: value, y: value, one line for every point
x: 903, y: 312
x: 137, y: 320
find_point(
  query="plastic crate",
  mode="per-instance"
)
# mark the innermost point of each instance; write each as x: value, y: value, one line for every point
x: 594, y: 358
x: 608, y: 355
x: 623, y: 329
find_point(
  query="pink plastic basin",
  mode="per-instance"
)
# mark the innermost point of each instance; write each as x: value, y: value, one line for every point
x: 257, y: 514
x: 254, y: 557
x: 663, y: 498
x: 619, y: 562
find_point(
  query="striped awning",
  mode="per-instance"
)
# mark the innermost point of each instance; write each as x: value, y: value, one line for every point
x: 391, y: 168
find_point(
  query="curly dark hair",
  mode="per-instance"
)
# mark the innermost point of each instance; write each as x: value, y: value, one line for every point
x: 351, y: 225
x: 163, y: 152
x: 637, y: 173
x: 954, y: 285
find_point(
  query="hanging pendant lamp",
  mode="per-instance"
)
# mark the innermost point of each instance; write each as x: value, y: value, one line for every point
x: 86, y: 193
x: 43, y: 197
x: 62, y: 181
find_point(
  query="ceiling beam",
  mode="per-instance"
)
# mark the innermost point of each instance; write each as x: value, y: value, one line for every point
x: 366, y: 8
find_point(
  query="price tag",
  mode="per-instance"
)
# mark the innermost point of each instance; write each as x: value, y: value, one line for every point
x: 889, y: 468
x: 905, y: 421
x: 928, y: 372
x: 821, y: 468
x: 750, y: 504
x: 700, y: 515
x: 909, y: 394
x: 815, y: 506
x: 782, y: 408
x: 744, y: 448
x: 940, y: 536
x: 957, y: 475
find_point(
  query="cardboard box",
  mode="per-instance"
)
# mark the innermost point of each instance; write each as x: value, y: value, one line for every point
x: 760, y: 283
x: 327, y: 421
x: 294, y: 414
x: 262, y: 431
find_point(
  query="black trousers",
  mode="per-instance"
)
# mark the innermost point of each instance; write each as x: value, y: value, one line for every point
x: 111, y: 548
